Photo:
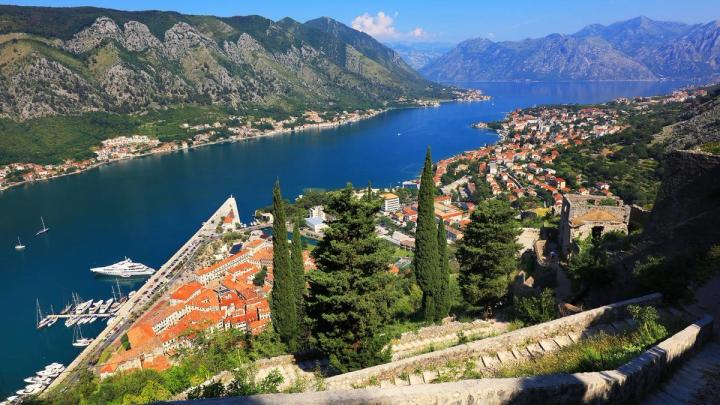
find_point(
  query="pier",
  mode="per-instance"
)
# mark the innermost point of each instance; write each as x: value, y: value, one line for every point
x: 151, y: 289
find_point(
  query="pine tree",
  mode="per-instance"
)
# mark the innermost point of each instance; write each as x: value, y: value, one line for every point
x: 488, y: 253
x: 427, y: 262
x: 284, y: 297
x: 298, y: 269
x: 351, y: 292
x: 445, y: 301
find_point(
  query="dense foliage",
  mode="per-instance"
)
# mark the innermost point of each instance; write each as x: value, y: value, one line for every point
x: 352, y: 293
x: 283, y: 301
x: 445, y: 300
x: 601, y: 352
x: 629, y: 160
x: 212, y: 353
x: 488, y: 253
x: 539, y: 309
x: 428, y: 270
x: 297, y: 267
x: 676, y: 277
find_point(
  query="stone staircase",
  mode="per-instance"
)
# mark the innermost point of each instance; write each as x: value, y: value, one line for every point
x: 485, y: 363
x: 445, y: 335
x: 689, y: 384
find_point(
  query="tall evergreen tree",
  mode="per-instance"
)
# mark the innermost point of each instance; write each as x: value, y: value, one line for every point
x: 352, y: 291
x: 488, y: 253
x: 445, y: 300
x: 284, y: 297
x: 427, y: 261
x: 298, y: 269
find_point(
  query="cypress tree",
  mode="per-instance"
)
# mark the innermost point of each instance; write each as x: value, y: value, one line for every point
x: 488, y: 253
x: 298, y: 269
x: 426, y: 261
x: 445, y: 299
x: 284, y: 297
x: 352, y: 291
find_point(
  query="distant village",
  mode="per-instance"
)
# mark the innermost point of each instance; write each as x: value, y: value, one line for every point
x: 234, y: 128
x: 232, y: 277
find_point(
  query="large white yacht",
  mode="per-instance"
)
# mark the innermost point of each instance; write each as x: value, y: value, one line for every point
x: 125, y: 268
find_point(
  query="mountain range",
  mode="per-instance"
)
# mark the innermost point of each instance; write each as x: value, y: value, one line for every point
x: 419, y: 54
x: 66, y: 61
x: 637, y: 49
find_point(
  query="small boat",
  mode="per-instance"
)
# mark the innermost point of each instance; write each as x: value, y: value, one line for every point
x: 37, y: 380
x: 83, y: 306
x: 44, y: 228
x: 82, y: 342
x: 19, y: 245
x: 71, y: 321
x: 31, y: 389
x: 104, y: 307
x: 11, y: 399
x: 51, y: 322
x: 95, y: 306
x: 79, y: 340
x: 67, y: 309
x: 48, y: 373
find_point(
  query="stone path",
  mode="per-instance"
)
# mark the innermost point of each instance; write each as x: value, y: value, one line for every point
x: 696, y: 382
x: 438, y: 336
x: 488, y: 362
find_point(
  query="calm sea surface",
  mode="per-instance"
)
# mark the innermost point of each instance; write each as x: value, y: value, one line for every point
x: 146, y: 208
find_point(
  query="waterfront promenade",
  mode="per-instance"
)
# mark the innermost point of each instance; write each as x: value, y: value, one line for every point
x: 155, y: 285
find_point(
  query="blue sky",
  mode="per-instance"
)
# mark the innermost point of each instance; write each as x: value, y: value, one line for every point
x: 442, y: 21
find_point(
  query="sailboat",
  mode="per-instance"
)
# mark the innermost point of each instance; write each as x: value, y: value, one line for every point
x: 43, y: 229
x: 79, y: 340
x: 19, y: 245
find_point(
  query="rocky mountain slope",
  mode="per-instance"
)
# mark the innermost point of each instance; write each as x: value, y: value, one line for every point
x: 420, y: 54
x: 74, y: 60
x: 637, y: 49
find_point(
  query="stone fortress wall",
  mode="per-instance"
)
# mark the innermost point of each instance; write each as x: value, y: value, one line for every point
x: 626, y: 384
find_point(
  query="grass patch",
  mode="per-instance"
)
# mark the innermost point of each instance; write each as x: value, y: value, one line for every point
x: 598, y: 353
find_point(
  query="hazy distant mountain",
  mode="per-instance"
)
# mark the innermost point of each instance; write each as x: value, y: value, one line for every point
x: 637, y: 49
x: 419, y: 54
x: 74, y: 60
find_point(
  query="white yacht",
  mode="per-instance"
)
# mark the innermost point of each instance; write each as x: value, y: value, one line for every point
x: 125, y: 268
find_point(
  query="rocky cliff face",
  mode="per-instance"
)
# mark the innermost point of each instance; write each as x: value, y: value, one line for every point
x: 69, y: 61
x: 685, y: 219
x: 637, y: 49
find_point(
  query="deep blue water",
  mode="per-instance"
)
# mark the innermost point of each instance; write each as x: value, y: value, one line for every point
x: 146, y: 208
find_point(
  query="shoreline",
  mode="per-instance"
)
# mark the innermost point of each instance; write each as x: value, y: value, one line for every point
x: 314, y: 127
x: 273, y: 132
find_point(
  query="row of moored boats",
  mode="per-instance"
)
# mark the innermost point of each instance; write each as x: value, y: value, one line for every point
x: 36, y: 384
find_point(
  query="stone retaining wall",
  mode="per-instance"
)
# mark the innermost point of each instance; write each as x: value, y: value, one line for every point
x: 521, y: 337
x: 627, y: 384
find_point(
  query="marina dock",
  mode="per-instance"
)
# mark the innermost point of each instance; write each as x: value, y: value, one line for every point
x: 130, y: 310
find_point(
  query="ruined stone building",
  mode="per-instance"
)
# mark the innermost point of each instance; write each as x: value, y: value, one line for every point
x: 589, y: 215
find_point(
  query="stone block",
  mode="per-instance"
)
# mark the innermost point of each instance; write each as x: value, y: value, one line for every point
x: 549, y: 345
x: 416, y: 379
x: 535, y: 350
x: 429, y: 376
x: 490, y: 361
x: 563, y: 340
x: 506, y: 357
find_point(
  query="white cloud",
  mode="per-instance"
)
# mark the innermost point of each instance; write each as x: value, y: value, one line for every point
x: 490, y: 35
x: 380, y: 26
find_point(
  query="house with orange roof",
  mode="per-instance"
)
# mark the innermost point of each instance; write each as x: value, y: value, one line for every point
x: 185, y: 292
x: 207, y: 274
x: 262, y: 257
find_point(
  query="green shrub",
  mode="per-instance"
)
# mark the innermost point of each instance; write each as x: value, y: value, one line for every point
x: 532, y: 310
